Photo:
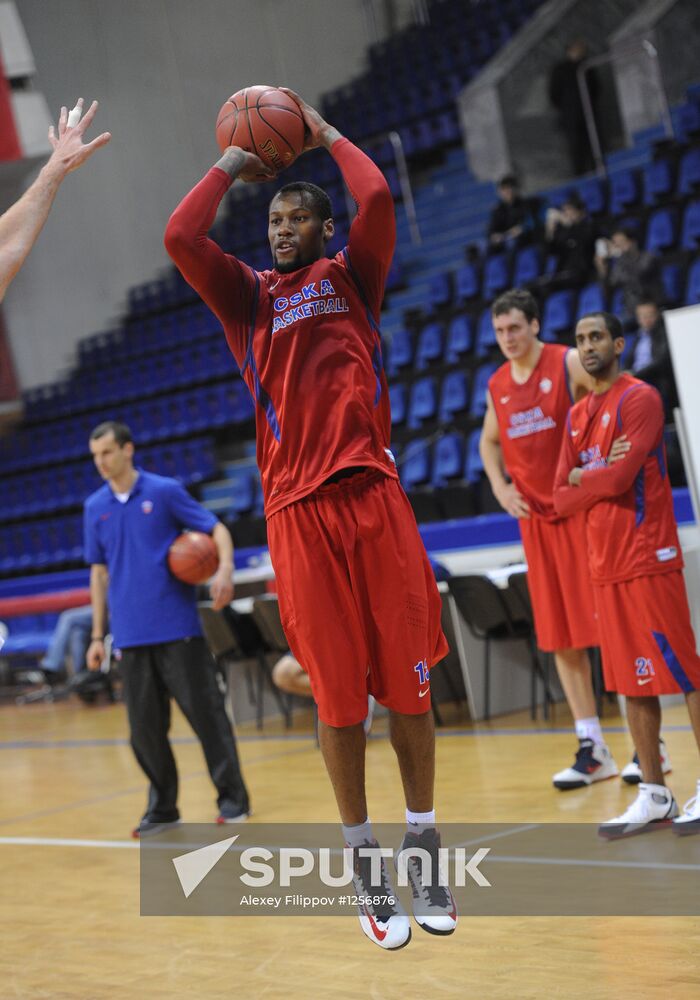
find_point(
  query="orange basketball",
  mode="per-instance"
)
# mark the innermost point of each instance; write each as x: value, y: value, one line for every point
x: 192, y: 557
x: 265, y: 121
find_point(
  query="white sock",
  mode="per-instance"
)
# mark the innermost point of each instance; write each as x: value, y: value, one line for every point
x: 589, y: 729
x: 356, y: 836
x: 426, y: 819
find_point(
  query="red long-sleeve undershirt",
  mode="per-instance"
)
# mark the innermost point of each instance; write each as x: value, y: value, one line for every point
x: 642, y: 420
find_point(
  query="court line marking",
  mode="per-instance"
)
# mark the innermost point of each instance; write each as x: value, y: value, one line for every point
x: 298, y: 737
x: 493, y: 858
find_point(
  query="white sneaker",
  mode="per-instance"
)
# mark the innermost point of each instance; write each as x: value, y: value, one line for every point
x: 594, y: 762
x: 632, y: 772
x: 653, y: 809
x: 385, y: 922
x: 689, y: 821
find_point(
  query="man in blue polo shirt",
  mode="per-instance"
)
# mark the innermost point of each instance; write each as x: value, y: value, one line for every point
x: 129, y: 525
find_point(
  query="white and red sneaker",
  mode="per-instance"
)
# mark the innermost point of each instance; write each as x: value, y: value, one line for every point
x: 382, y: 917
x: 434, y: 907
x: 653, y: 809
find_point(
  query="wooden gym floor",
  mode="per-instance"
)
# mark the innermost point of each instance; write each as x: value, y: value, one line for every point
x: 71, y: 928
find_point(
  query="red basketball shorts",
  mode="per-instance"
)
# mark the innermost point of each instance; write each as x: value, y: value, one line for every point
x: 358, y: 598
x: 559, y: 582
x: 647, y: 638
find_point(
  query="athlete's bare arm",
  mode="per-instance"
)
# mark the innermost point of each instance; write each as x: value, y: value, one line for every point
x: 22, y: 222
x: 492, y: 456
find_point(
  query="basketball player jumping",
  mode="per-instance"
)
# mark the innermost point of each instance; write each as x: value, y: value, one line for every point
x: 357, y: 595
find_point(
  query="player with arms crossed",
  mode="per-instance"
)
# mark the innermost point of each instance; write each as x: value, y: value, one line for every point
x: 528, y: 400
x: 635, y: 560
x: 357, y: 595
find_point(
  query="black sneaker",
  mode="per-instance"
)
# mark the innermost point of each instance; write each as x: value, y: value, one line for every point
x: 434, y: 906
x: 229, y: 812
x: 149, y: 827
x: 382, y: 917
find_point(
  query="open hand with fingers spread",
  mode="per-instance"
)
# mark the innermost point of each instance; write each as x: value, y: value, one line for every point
x: 69, y: 150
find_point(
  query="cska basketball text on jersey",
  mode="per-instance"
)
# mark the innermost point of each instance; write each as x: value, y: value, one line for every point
x: 310, y: 301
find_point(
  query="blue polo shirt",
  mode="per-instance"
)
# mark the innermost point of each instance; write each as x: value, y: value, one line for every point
x: 147, y: 605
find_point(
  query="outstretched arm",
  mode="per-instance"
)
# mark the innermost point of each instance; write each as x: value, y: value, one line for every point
x: 22, y: 222
x: 217, y: 277
x: 373, y: 231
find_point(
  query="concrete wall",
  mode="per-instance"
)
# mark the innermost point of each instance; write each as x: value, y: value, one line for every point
x: 160, y: 69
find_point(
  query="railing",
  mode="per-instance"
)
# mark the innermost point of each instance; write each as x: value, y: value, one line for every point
x: 656, y: 78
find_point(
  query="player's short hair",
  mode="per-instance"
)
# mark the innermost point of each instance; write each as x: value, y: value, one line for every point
x: 508, y: 181
x: 516, y: 298
x: 574, y: 199
x: 628, y: 231
x: 312, y: 195
x: 122, y: 433
x: 612, y: 323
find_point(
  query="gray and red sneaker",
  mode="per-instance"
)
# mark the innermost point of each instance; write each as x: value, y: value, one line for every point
x: 382, y: 917
x: 434, y: 907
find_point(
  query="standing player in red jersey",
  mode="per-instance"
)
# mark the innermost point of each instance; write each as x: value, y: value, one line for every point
x: 358, y: 598
x: 635, y: 561
x: 528, y: 400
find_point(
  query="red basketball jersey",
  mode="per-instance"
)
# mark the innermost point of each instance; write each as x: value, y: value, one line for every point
x: 630, y: 525
x: 307, y: 343
x: 531, y: 422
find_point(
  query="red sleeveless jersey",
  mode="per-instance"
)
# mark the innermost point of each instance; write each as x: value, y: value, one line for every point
x: 306, y: 343
x: 531, y: 422
x: 630, y: 525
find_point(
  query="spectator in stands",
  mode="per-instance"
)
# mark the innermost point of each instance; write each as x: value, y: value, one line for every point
x: 70, y: 641
x: 22, y: 222
x: 651, y: 356
x: 130, y: 523
x: 289, y: 676
x: 621, y: 264
x: 514, y: 220
x: 565, y: 95
x: 570, y: 237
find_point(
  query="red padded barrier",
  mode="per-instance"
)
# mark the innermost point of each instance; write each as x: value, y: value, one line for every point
x: 36, y: 604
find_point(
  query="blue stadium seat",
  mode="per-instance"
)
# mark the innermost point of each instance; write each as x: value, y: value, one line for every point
x: 558, y: 314
x: 454, y: 395
x: 473, y: 465
x: 692, y: 288
x: 657, y: 181
x: 467, y: 284
x: 422, y: 404
x: 690, y: 233
x: 448, y: 459
x: 496, y: 275
x: 591, y: 299
x: 624, y: 191
x: 689, y: 172
x: 243, y: 493
x: 485, y: 333
x: 617, y: 303
x: 460, y: 337
x: 400, y: 353
x: 592, y: 193
x: 480, y: 387
x: 414, y: 468
x: 398, y: 396
x: 662, y: 230
x: 440, y: 290
x: 686, y: 120
x: 528, y: 266
x: 671, y: 279
x: 429, y: 346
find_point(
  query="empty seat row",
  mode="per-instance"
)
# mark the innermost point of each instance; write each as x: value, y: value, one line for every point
x: 452, y: 458
x: 456, y: 396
